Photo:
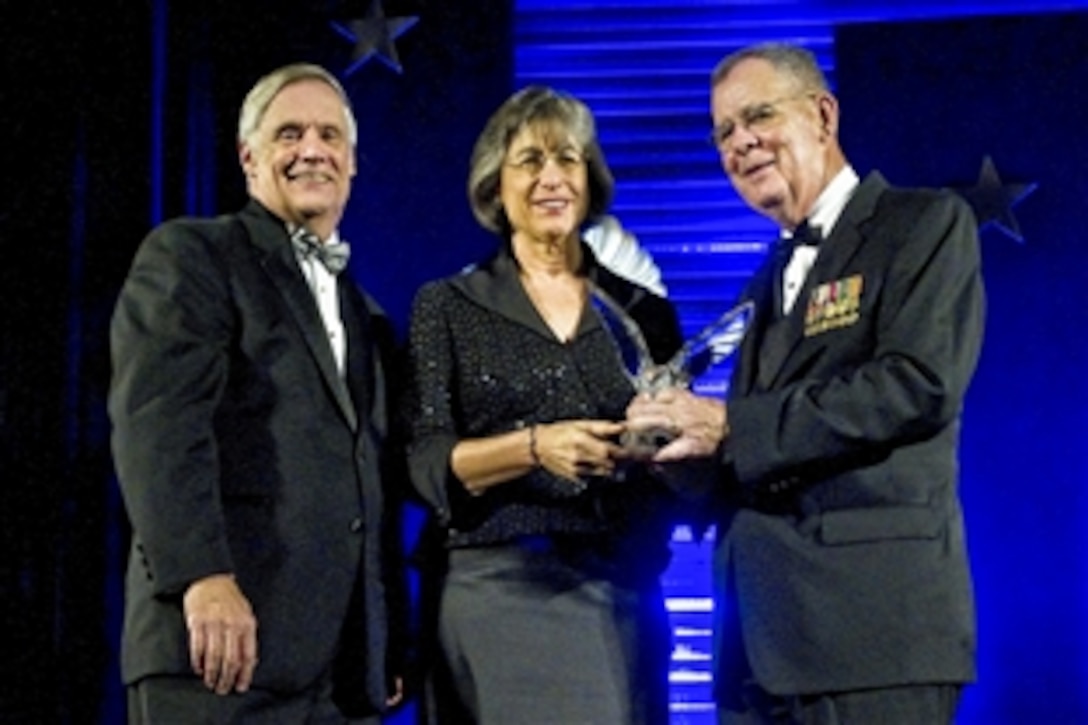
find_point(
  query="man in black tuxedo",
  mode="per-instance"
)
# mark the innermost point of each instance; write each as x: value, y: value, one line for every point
x: 841, y: 572
x: 249, y: 410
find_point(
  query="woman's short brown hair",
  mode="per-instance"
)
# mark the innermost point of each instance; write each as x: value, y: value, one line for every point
x: 527, y: 107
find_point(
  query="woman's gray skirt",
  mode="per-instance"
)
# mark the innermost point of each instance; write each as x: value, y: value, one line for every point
x: 539, y: 632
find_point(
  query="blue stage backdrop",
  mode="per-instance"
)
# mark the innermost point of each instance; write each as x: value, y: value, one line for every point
x: 123, y: 115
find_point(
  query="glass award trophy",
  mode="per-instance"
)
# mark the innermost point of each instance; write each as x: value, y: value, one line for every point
x: 712, y: 346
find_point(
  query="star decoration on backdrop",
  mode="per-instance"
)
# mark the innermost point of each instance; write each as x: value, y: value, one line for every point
x: 374, y: 36
x: 993, y: 201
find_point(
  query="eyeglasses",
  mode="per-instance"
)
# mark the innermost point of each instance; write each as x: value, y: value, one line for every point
x: 532, y: 161
x: 755, y: 118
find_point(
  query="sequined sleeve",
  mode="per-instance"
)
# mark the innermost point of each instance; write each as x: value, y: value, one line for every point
x: 428, y: 408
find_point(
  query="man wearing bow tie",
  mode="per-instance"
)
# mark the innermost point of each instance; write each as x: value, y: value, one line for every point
x: 844, y: 593
x: 249, y: 410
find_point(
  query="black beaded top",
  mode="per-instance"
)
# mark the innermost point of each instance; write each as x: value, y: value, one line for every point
x: 483, y: 362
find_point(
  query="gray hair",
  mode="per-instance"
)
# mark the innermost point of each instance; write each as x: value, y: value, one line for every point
x: 792, y: 60
x: 260, y: 96
x: 530, y: 106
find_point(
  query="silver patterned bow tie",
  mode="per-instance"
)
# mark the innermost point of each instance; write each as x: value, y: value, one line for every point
x: 333, y: 256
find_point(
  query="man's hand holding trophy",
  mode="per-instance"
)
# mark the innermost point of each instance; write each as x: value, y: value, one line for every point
x: 651, y: 381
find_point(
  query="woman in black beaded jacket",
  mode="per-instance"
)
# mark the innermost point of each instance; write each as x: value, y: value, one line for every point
x: 547, y: 607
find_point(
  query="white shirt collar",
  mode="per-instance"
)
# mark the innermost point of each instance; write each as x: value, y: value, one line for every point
x: 334, y: 238
x: 829, y: 205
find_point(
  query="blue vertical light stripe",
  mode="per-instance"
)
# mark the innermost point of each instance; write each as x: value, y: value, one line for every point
x: 159, y: 47
x: 201, y: 171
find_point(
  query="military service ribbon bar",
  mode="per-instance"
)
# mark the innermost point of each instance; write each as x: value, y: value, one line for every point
x: 833, y: 305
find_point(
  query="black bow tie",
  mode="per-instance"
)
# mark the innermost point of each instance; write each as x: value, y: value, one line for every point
x: 333, y: 256
x: 804, y: 235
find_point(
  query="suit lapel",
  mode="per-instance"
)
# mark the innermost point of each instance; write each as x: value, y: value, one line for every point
x: 270, y: 236
x: 847, y: 237
x: 782, y: 351
x: 496, y: 286
x: 760, y: 291
x: 360, y: 368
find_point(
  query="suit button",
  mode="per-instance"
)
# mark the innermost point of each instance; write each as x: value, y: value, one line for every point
x: 356, y: 525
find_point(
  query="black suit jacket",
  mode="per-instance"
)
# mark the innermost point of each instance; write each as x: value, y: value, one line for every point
x: 842, y: 562
x: 239, y: 448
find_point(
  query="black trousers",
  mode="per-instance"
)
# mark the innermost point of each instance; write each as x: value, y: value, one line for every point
x: 908, y: 705
x: 186, y: 701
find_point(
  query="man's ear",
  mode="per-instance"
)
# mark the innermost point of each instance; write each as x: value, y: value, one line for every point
x: 245, y: 159
x: 828, y: 109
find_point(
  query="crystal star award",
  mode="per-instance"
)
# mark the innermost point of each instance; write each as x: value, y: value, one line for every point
x: 711, y: 347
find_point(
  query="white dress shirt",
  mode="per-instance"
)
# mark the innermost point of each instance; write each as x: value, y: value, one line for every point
x: 323, y: 285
